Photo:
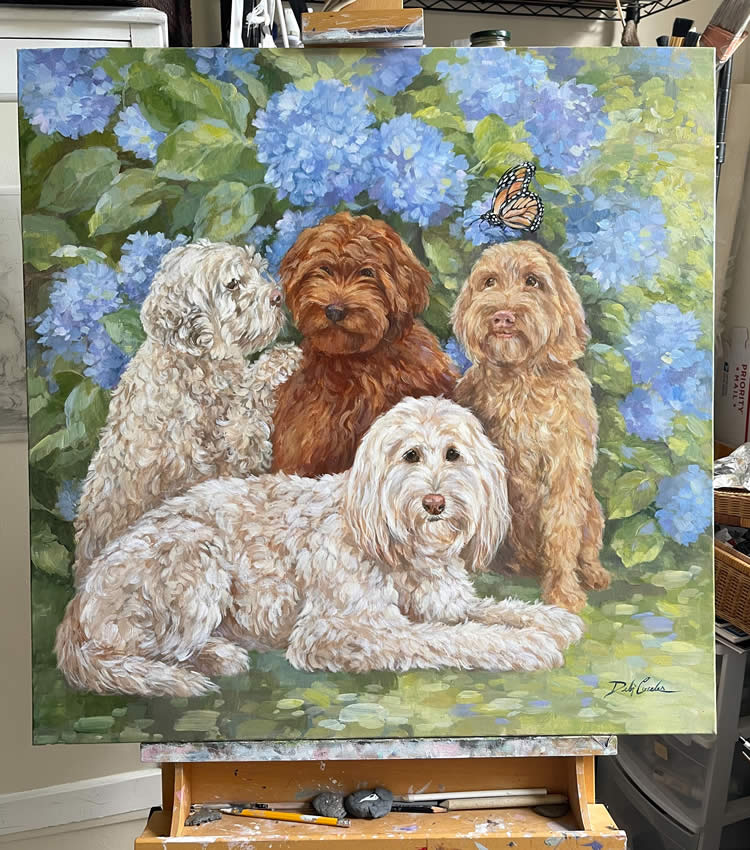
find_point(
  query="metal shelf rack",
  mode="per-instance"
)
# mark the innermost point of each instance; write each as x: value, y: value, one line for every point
x: 591, y: 10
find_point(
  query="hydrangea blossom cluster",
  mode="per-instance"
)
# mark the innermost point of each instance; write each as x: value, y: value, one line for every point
x: 62, y: 90
x: 135, y: 134
x: 684, y: 504
x: 619, y: 237
x: 70, y: 326
x: 566, y: 64
x: 390, y: 76
x: 661, y: 348
x: 654, y: 62
x: 455, y: 351
x: 564, y: 120
x: 317, y: 144
x: 418, y: 174
x: 223, y: 63
x: 141, y: 255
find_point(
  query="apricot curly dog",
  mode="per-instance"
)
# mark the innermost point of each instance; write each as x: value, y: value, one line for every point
x: 354, y: 289
x: 522, y: 324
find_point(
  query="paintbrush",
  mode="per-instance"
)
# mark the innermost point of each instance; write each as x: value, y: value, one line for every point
x: 691, y: 39
x: 680, y: 29
x: 727, y: 29
x: 416, y: 808
x: 629, y: 36
x: 662, y: 41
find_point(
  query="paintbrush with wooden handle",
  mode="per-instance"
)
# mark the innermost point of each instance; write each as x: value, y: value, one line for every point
x: 727, y: 29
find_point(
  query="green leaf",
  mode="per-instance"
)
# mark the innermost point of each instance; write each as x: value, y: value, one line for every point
x: 42, y: 236
x: 226, y: 213
x: 651, y: 458
x: 77, y: 181
x: 442, y: 251
x: 86, y: 409
x: 173, y: 94
x: 638, y: 540
x: 208, y: 150
x: 608, y: 369
x: 290, y: 61
x: 124, y: 329
x: 608, y: 320
x: 47, y: 553
x: 73, y: 255
x: 442, y: 120
x: 632, y: 492
x: 555, y: 183
x: 692, y: 441
x: 490, y: 131
x: 134, y: 196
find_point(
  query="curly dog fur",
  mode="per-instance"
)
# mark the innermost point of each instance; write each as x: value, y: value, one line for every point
x: 354, y: 289
x: 522, y: 324
x: 365, y: 570
x: 188, y: 407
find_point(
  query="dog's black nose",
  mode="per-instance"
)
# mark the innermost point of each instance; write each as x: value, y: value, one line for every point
x: 276, y: 296
x: 433, y: 503
x: 335, y: 312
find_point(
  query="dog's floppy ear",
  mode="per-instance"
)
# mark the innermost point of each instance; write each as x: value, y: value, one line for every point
x: 364, y: 505
x: 293, y: 265
x: 493, y: 510
x: 411, y: 279
x: 570, y: 342
x: 174, y: 313
x: 458, y: 318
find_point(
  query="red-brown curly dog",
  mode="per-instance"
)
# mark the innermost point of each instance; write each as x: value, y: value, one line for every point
x: 354, y: 289
x: 522, y: 324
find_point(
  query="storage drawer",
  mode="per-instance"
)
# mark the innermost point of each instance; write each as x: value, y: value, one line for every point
x: 645, y: 825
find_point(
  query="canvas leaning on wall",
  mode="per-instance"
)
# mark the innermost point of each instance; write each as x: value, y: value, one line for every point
x: 369, y: 392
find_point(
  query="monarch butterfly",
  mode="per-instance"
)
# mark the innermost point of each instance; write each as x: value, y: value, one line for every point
x: 513, y: 205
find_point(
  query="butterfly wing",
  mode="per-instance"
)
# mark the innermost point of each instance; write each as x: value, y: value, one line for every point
x: 522, y: 211
x: 515, y: 181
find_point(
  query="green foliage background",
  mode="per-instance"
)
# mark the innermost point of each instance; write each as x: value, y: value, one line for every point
x: 207, y: 182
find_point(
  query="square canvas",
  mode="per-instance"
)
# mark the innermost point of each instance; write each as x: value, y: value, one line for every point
x: 369, y: 392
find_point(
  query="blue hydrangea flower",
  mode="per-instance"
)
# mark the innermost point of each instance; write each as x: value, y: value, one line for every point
x: 260, y: 235
x: 662, y: 341
x: 565, y: 64
x: 470, y: 226
x: 688, y: 391
x: 493, y: 81
x: 141, y: 255
x: 565, y: 122
x: 135, y: 134
x: 68, y: 497
x: 647, y: 415
x: 661, y: 62
x: 223, y: 63
x: 619, y: 237
x: 455, y: 351
x: 418, y: 174
x: 289, y: 227
x: 684, y: 504
x: 70, y: 326
x: 62, y: 90
x: 317, y: 144
x: 389, y: 71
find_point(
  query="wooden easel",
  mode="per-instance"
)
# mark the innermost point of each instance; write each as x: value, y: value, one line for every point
x: 268, y: 772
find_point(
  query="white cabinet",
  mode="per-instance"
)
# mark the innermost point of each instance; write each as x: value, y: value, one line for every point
x: 29, y: 27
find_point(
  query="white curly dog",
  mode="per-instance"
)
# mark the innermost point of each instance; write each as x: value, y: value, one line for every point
x: 369, y: 569
x: 188, y: 406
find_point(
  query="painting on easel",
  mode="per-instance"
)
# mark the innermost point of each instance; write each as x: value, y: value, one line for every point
x: 369, y: 392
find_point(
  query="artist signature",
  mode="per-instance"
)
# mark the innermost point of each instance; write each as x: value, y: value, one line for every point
x: 635, y: 688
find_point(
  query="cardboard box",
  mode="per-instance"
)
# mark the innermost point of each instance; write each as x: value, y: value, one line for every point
x: 731, y: 409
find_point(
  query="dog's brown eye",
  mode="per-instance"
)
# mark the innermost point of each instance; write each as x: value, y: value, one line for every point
x: 233, y: 284
x: 367, y: 272
x: 452, y: 454
x: 412, y: 456
x: 326, y: 269
x: 533, y: 282
x: 491, y: 281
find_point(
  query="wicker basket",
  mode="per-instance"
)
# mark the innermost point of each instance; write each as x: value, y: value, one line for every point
x: 732, y: 507
x: 732, y: 585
